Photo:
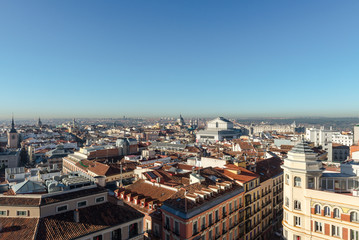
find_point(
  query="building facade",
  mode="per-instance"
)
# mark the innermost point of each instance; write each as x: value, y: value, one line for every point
x: 318, y: 204
x: 217, y: 130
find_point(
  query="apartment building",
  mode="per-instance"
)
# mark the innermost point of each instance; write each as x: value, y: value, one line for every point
x: 319, y: 204
x: 82, y: 211
x: 209, y: 208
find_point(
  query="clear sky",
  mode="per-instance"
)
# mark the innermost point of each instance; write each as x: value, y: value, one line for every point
x: 160, y: 58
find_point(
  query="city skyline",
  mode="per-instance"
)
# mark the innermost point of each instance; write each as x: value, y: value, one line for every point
x: 202, y: 58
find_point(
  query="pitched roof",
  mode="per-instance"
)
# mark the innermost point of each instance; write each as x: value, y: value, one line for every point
x: 18, y: 228
x: 268, y: 168
x: 93, y: 218
x: 19, y: 201
x: 146, y: 189
x: 244, y: 176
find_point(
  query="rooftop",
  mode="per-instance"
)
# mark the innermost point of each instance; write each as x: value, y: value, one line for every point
x: 18, y: 228
x: 92, y: 219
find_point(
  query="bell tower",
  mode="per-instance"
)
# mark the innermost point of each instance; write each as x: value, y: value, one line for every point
x: 12, y: 136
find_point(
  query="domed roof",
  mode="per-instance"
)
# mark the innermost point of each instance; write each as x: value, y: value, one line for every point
x: 302, y: 147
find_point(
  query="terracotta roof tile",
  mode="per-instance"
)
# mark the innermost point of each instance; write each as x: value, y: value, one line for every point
x: 92, y: 219
x: 17, y: 201
x: 18, y: 228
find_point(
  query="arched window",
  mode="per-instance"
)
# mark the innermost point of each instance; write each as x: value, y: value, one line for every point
x: 326, y: 211
x: 354, y: 217
x: 297, y: 205
x: 286, y: 179
x: 297, y: 182
x: 317, y: 209
x: 336, y: 213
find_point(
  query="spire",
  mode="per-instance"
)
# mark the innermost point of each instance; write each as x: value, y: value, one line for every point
x: 12, y: 122
x: 39, y: 123
x: 13, y: 130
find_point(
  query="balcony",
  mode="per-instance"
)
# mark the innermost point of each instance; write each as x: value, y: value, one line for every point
x: 167, y: 227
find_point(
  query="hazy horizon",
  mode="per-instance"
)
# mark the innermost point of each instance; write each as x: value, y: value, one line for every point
x: 162, y: 58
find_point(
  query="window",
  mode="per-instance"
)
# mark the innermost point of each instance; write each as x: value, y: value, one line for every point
x: 117, y: 235
x: 354, y: 235
x: 335, y: 231
x: 81, y: 204
x: 296, y: 221
x: 167, y: 226
x: 21, y: 213
x: 210, y: 217
x: 177, y: 228
x: 286, y: 201
x: 336, y: 213
x: 62, y: 208
x: 210, y: 235
x: 203, y: 223
x: 217, y: 231
x: 326, y: 211
x: 133, y: 230
x: 297, y: 182
x: 310, y: 182
x: 317, y: 209
x: 224, y: 210
x: 100, y: 199
x: 3, y: 213
x: 318, y: 227
x: 224, y: 227
x: 286, y: 179
x: 98, y: 237
x: 195, y: 228
x: 216, y: 214
x: 297, y: 205
x: 354, y: 217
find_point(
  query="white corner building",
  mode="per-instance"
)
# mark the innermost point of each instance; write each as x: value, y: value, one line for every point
x: 319, y: 204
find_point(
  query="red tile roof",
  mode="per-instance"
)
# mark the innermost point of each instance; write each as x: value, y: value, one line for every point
x: 92, y: 219
x: 244, y: 176
x: 18, y: 228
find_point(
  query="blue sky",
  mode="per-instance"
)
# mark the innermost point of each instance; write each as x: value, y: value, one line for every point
x: 160, y: 58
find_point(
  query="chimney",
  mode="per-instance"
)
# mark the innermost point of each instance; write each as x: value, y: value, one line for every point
x: 120, y: 202
x: 76, y: 215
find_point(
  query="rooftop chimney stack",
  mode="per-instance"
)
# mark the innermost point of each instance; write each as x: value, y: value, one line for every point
x: 76, y: 215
